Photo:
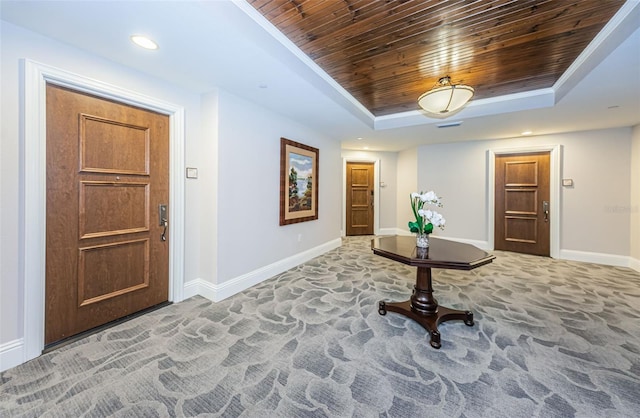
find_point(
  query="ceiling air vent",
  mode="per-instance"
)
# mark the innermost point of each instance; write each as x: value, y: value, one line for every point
x: 450, y: 124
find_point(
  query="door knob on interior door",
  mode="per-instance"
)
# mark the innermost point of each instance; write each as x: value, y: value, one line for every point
x: 162, y: 214
x: 545, y: 210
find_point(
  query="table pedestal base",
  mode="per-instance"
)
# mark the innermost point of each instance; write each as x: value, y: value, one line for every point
x: 423, y: 307
x: 429, y: 321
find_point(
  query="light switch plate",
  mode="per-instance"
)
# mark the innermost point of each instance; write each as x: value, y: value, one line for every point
x: 192, y: 173
x: 567, y: 182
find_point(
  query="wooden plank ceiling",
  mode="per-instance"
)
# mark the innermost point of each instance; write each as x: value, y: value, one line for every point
x: 386, y: 53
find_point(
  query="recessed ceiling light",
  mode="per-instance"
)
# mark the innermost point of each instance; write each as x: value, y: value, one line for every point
x: 526, y: 133
x: 144, y: 42
x: 365, y: 148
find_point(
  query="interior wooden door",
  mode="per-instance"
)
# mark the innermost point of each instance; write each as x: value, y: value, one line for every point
x: 522, y: 204
x: 107, y: 174
x: 360, y: 191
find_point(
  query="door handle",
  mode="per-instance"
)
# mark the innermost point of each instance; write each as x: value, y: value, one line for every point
x: 162, y: 214
x: 545, y: 210
x: 163, y: 237
x: 372, y: 198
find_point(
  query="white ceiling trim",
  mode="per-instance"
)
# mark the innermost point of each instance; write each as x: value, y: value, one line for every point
x: 534, y: 99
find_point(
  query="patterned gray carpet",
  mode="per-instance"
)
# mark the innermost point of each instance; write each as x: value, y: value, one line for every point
x: 551, y: 339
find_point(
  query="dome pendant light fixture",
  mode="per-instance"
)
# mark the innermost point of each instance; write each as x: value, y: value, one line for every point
x: 445, y: 98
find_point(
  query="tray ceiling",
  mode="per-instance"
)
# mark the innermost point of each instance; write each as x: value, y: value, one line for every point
x: 387, y: 53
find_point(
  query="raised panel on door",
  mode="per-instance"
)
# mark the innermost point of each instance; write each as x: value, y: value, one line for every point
x: 359, y: 177
x: 110, y: 270
x: 111, y: 146
x: 519, y: 201
x: 108, y: 208
x: 521, y: 173
x: 520, y: 229
x: 359, y: 218
x: 107, y: 173
x: 359, y: 197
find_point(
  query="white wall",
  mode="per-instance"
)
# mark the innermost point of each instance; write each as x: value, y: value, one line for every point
x: 457, y: 173
x: 593, y: 218
x: 207, y: 206
x: 595, y: 214
x: 407, y: 184
x: 388, y: 176
x: 634, y: 207
x: 249, y: 235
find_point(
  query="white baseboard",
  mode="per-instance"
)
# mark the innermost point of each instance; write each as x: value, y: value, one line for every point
x: 194, y: 287
x: 483, y: 245
x: 634, y: 263
x: 216, y: 293
x: 11, y: 354
x: 597, y: 258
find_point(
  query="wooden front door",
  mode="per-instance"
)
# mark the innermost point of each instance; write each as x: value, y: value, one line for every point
x: 522, y: 203
x: 360, y: 191
x: 107, y: 174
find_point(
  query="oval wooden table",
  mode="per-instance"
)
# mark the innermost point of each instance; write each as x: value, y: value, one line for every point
x: 423, y: 307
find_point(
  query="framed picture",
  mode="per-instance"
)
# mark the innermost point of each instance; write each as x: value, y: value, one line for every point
x: 298, y: 182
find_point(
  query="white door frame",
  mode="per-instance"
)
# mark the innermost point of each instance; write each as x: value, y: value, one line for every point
x: 376, y: 191
x: 555, y: 152
x: 33, y: 187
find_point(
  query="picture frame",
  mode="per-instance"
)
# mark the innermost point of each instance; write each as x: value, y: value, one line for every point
x: 298, y: 182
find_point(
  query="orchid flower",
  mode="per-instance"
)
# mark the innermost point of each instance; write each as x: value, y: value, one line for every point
x: 426, y: 219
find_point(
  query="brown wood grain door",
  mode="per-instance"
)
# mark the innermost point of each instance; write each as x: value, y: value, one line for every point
x: 360, y: 191
x: 522, y: 203
x: 107, y: 174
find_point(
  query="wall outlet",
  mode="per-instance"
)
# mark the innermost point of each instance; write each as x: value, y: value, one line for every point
x: 299, y: 237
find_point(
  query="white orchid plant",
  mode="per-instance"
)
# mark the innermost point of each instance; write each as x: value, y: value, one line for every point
x: 426, y: 219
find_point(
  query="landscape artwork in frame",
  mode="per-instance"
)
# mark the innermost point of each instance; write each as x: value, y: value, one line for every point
x: 298, y: 182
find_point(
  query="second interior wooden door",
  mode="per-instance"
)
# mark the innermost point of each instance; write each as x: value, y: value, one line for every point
x: 360, y: 192
x: 522, y: 206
